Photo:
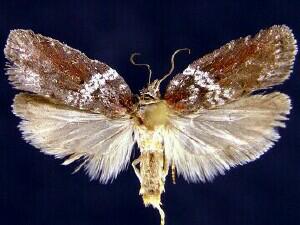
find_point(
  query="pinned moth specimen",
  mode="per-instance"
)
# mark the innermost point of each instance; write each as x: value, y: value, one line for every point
x: 207, y: 121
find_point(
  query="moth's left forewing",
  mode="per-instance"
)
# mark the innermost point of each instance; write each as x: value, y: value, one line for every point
x: 47, y: 67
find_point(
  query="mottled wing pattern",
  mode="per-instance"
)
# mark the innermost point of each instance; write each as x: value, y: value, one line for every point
x: 47, y: 67
x: 236, y: 69
x: 215, y: 123
x: 205, y: 144
x: 102, y: 145
x: 80, y: 107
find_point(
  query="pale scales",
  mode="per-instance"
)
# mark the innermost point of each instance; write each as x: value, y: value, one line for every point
x: 206, y: 122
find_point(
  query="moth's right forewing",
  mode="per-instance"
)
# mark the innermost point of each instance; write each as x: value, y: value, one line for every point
x: 104, y: 145
x: 236, y: 69
x: 48, y: 67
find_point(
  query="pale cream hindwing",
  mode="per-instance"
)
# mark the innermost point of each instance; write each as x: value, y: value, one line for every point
x: 104, y: 145
x: 209, y: 142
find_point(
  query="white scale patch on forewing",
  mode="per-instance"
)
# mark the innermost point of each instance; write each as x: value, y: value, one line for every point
x: 27, y: 77
x: 96, y: 83
x: 23, y: 53
x: 202, y: 78
x: 32, y: 79
x: 215, y: 95
x: 284, y: 58
x: 193, y: 98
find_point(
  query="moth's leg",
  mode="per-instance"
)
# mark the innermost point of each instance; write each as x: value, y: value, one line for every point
x: 173, y: 172
x: 166, y: 166
x: 136, y: 170
x: 162, y: 215
x: 165, y: 171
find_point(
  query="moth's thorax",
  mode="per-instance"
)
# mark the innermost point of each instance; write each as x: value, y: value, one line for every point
x: 152, y: 116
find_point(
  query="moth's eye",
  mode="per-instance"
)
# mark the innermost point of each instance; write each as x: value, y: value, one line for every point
x: 135, y: 98
x: 148, y: 97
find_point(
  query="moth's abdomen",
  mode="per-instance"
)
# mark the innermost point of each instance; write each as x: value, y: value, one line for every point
x: 152, y: 164
x: 153, y: 167
x: 153, y: 176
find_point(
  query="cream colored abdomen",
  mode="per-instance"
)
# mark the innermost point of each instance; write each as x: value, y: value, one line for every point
x: 153, y: 166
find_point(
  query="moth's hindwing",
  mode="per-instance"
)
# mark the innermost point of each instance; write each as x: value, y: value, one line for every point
x: 207, y: 143
x: 103, y: 145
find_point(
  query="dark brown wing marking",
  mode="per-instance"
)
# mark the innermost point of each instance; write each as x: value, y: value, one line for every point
x: 236, y: 69
x: 47, y: 67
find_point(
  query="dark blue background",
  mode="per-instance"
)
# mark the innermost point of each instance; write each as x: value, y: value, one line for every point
x: 36, y: 190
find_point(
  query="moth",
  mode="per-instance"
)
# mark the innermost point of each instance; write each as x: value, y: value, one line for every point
x: 207, y: 121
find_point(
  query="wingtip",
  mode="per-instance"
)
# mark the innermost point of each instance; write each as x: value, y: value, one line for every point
x: 13, y: 37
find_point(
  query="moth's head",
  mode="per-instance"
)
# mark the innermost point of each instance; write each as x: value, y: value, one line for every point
x: 151, y: 93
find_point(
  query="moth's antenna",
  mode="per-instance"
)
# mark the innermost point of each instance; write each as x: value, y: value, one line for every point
x: 172, y: 62
x: 140, y: 64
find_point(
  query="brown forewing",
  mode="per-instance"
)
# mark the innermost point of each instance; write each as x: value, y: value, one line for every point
x: 47, y: 67
x: 236, y: 69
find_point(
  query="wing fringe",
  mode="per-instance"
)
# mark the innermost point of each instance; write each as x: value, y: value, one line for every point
x: 103, y: 145
x: 205, y: 144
